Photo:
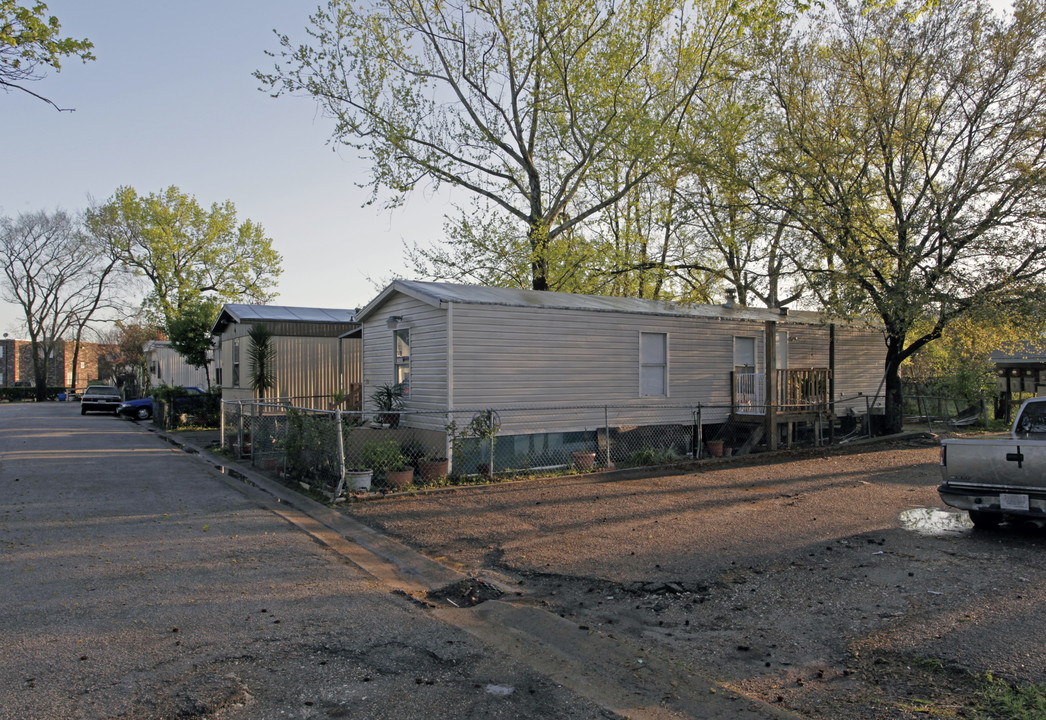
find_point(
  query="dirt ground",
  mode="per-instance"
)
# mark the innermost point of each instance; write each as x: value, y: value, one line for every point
x: 833, y: 583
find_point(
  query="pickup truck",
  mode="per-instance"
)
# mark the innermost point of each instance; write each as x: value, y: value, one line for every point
x: 995, y: 478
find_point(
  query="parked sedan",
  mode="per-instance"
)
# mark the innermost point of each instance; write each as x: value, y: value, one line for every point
x: 101, y: 398
x: 140, y: 409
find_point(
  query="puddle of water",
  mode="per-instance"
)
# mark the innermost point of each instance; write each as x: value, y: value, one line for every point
x: 931, y: 521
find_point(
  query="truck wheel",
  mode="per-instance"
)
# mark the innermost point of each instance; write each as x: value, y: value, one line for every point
x: 985, y: 520
x: 83, y: 410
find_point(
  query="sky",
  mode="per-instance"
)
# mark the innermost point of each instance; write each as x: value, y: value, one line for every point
x: 171, y: 100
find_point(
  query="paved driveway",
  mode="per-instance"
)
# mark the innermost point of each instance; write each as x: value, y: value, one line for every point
x: 138, y: 582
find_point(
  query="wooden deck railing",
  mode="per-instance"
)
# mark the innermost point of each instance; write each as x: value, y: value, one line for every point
x: 798, y: 389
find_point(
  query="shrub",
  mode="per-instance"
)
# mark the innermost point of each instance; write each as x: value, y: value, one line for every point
x: 653, y: 456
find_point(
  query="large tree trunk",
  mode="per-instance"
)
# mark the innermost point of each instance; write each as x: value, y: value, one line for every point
x: 40, y: 370
x: 538, y: 237
x: 894, y: 418
x: 76, y: 363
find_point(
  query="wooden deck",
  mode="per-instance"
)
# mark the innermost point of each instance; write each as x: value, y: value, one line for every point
x: 798, y: 391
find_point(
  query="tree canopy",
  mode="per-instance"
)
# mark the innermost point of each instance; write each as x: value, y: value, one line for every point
x: 190, y: 334
x: 189, y: 255
x: 880, y: 159
x: 31, y: 42
x: 519, y: 103
x: 908, y: 142
x: 57, y: 275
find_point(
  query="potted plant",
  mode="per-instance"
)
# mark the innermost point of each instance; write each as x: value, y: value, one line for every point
x: 431, y: 468
x: 383, y: 457
x: 388, y: 400
x: 399, y: 476
x: 583, y: 460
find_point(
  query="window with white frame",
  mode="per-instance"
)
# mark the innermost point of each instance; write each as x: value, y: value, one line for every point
x: 653, y: 364
x: 401, y: 339
x: 744, y: 354
x: 236, y: 363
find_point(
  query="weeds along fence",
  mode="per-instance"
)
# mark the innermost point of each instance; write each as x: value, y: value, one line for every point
x: 339, y: 450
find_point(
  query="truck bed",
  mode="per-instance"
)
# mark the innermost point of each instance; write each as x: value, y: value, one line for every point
x: 995, y: 476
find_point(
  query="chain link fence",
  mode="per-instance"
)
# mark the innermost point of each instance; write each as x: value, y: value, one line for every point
x: 939, y: 413
x: 186, y: 410
x: 338, y: 451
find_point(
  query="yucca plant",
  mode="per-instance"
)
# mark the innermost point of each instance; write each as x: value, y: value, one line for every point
x: 263, y: 359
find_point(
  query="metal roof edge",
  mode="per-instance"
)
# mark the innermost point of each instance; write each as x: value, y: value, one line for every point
x: 406, y: 287
x: 234, y: 312
x: 219, y: 327
x: 441, y: 294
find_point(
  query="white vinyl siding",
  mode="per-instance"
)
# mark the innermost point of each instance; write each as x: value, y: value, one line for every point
x: 508, y: 357
x: 653, y: 364
x: 428, y: 357
x: 860, y: 357
x: 167, y: 367
x: 505, y: 356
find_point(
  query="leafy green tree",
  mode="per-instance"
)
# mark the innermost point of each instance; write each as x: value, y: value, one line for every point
x: 518, y: 103
x: 637, y: 247
x: 188, y: 254
x: 190, y: 334
x: 31, y: 42
x: 910, y: 143
x: 732, y: 236
x: 958, y: 363
x: 58, y: 276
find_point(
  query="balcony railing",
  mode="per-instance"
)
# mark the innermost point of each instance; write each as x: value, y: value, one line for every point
x: 798, y: 390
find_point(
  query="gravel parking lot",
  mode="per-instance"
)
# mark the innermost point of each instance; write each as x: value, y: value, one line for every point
x: 830, y: 583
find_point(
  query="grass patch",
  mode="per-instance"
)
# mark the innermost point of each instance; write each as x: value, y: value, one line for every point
x: 1009, y: 701
x: 917, y: 686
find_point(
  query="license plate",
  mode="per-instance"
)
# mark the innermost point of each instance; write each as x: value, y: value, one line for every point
x: 1009, y: 501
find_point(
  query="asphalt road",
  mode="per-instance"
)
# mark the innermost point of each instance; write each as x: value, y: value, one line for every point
x: 136, y: 581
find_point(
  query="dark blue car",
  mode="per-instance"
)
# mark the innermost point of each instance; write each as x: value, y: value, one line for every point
x: 142, y: 408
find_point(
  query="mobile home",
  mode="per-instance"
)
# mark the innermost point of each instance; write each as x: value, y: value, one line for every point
x: 457, y: 349
x: 312, y: 359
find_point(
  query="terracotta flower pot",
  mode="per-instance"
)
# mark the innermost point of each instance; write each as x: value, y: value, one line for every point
x: 716, y: 448
x: 432, y: 470
x: 584, y: 460
x: 399, y: 478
